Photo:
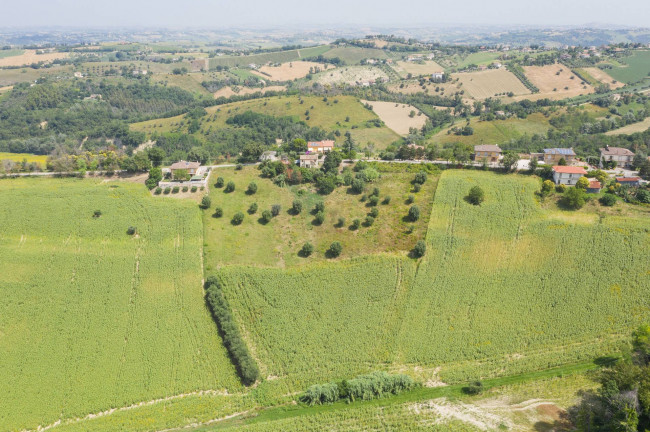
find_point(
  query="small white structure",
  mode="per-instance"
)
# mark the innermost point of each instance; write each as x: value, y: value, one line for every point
x: 567, y: 175
x: 437, y: 76
x: 622, y: 156
x: 269, y: 156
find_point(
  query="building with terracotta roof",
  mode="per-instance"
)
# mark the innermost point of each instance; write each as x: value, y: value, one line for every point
x: 490, y: 152
x: 567, y: 175
x: 553, y: 156
x: 594, y: 186
x: 629, y: 181
x: 320, y: 146
x: 622, y: 156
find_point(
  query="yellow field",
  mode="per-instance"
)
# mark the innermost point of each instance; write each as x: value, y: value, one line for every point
x: 240, y: 91
x: 417, y: 69
x: 489, y: 83
x: 553, y: 85
x: 18, y: 157
x: 631, y: 128
x: 29, y: 57
x: 604, y: 77
x: 396, y: 116
x: 290, y: 71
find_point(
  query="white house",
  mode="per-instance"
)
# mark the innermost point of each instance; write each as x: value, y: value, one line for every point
x: 622, y: 156
x: 437, y: 76
x: 269, y: 156
x: 309, y: 160
x: 567, y: 175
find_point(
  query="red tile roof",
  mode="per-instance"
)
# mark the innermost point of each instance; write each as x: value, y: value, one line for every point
x: 569, y: 170
x: 594, y: 184
x: 627, y: 179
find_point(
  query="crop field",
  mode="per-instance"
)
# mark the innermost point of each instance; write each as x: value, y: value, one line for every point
x: 11, y: 53
x: 290, y: 71
x: 603, y: 77
x: 92, y: 318
x: 19, y: 157
x: 492, y: 82
x: 486, y: 267
x: 28, y: 57
x: 351, y: 75
x: 410, y: 87
x: 353, y: 55
x: 631, y: 128
x: 286, y: 233
x: 264, y: 58
x: 632, y: 68
x: 555, y: 82
x: 417, y: 69
x: 398, y: 116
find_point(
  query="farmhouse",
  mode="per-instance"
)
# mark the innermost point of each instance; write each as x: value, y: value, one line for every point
x: 490, y: 152
x: 269, y: 156
x: 567, y: 175
x: 309, y: 160
x: 594, y: 186
x: 553, y: 156
x: 437, y: 76
x: 320, y: 146
x: 629, y: 181
x: 190, y: 167
x: 622, y: 156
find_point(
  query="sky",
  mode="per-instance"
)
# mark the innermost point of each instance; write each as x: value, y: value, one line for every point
x: 217, y: 14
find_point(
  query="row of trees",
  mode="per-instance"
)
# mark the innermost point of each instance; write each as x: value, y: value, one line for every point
x: 363, y: 387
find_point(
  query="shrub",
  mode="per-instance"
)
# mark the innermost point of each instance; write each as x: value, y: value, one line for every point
x: 386, y: 200
x: 375, y: 385
x: 220, y: 182
x: 218, y: 212
x: 206, y: 202
x: 374, y: 212
x: 275, y: 209
x: 373, y: 200
x: 244, y: 362
x: 319, y: 394
x: 420, y: 178
x: 357, y: 186
x: 356, y: 224
x: 230, y: 187
x: 307, y: 249
x: 252, y: 188
x: 175, y: 189
x: 560, y: 188
x: 607, y: 200
x: 335, y: 249
x: 253, y: 208
x: 266, y: 216
x: 582, y: 183
x: 158, y: 191
x: 574, y: 198
x: 643, y: 196
x: 474, y: 388
x: 369, y: 221
x: 410, y: 199
x: 167, y: 190
x: 420, y: 249
x: 476, y: 195
x: 296, y: 207
x: 319, y: 207
x: 414, y: 213
x: 417, y: 187
x: 375, y: 192
x: 341, y: 222
x: 239, y: 167
x: 131, y: 230
x: 238, y: 218
x: 194, y: 189
x: 320, y: 218
x: 97, y: 213
x: 185, y: 188
x: 547, y: 187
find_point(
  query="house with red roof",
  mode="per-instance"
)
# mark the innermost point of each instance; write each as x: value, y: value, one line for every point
x: 320, y: 146
x: 629, y: 181
x: 594, y: 186
x: 567, y: 175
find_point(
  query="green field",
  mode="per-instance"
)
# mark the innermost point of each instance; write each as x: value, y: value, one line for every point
x: 11, y: 53
x: 19, y: 157
x: 634, y: 67
x: 456, y: 314
x: 92, y: 318
x: 353, y: 55
x: 274, y: 57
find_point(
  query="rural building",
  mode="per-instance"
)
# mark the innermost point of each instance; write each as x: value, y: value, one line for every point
x: 622, y: 156
x: 309, y: 160
x: 629, y: 181
x: 567, y: 175
x: 552, y: 156
x: 437, y: 76
x: 490, y: 152
x: 269, y: 156
x: 190, y: 167
x: 320, y: 146
x: 594, y: 186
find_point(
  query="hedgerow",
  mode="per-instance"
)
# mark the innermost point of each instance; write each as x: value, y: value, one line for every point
x: 363, y: 387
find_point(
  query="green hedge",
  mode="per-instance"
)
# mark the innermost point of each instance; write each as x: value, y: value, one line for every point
x: 244, y: 362
x: 519, y: 73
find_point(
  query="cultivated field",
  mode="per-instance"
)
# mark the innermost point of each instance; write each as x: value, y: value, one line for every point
x: 492, y: 82
x: 92, y: 318
x: 555, y: 82
x: 354, y: 55
x: 411, y: 87
x: 416, y: 69
x: 632, y: 68
x: 631, y: 128
x: 19, y: 157
x: 604, y: 77
x: 398, y: 116
x: 264, y: 58
x: 240, y: 91
x: 291, y: 70
x: 353, y: 75
x: 29, y: 57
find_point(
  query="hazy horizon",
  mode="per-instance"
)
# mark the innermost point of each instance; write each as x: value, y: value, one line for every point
x: 205, y: 14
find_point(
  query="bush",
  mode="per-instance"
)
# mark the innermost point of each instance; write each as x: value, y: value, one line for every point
x: 547, y: 187
x: 410, y: 199
x: 414, y: 213
x: 420, y: 178
x: 335, y: 249
x: 252, y: 209
x: 275, y: 209
x: 296, y: 207
x: 167, y: 190
x: 420, y: 249
x: 607, y: 200
x: 643, y: 195
x: 373, y: 200
x: 417, y: 187
x: 218, y: 212
x: 131, y: 230
x: 220, y: 182
x: 341, y: 222
x: 185, y: 188
x: 307, y: 249
x: 560, y: 188
x: 97, y: 213
x: 574, y: 198
x: 175, y: 189
x: 266, y: 216
x: 252, y: 188
x: 158, y: 191
x: 375, y: 192
x: 374, y: 212
x: 194, y: 188
x: 230, y: 187
x: 320, y: 218
x: 239, y: 167
x: 582, y: 183
x: 238, y: 218
x: 386, y: 200
x: 357, y: 186
x: 319, y: 207
x: 476, y: 195
x: 319, y: 394
x: 206, y: 202
x: 375, y: 385
x: 474, y: 388
x: 356, y: 224
x: 244, y: 362
x: 369, y: 221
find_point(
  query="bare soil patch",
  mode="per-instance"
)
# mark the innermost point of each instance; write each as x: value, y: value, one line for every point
x: 291, y: 70
x: 398, y: 116
x: 555, y: 82
x: 492, y: 82
x: 604, y: 77
x: 354, y: 75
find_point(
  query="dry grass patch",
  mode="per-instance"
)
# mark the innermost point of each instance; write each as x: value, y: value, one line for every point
x: 604, y: 77
x: 240, y: 91
x: 425, y: 68
x: 351, y: 75
x: 555, y: 82
x: 489, y: 83
x: 398, y: 117
x: 631, y: 128
x: 291, y: 70
x: 29, y: 57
